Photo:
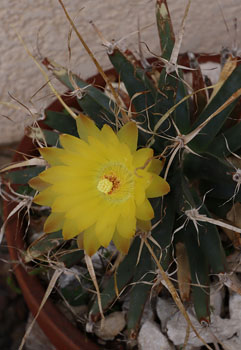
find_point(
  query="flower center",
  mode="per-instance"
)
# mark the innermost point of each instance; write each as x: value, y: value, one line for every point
x: 108, y: 184
x: 105, y: 186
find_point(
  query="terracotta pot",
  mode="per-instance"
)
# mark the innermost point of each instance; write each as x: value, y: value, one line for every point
x: 61, y: 333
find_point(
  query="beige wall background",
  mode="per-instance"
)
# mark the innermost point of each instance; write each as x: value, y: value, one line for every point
x: 44, y: 28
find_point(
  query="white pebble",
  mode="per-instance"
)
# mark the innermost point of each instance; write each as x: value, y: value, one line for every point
x: 151, y: 338
x: 110, y: 326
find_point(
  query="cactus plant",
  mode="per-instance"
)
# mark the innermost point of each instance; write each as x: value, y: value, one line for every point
x: 191, y: 133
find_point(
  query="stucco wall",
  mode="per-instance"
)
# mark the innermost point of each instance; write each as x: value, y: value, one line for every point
x: 44, y: 28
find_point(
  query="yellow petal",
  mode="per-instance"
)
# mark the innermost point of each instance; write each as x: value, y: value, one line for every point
x: 144, y: 225
x: 86, y: 127
x: 140, y: 193
x: 156, y: 166
x: 70, y: 229
x: 158, y: 187
x: 143, y: 181
x: 106, y: 151
x: 54, y: 222
x: 84, y: 217
x: 126, y: 226
x: 142, y: 157
x: 80, y: 240
x: 106, y: 235
x: 82, y: 206
x: 46, y: 198
x: 145, y: 211
x: 72, y: 143
x: 91, y: 243
x: 108, y: 135
x: 52, y: 154
x: 106, y: 224
x: 38, y: 184
x: 58, y: 173
x: 128, y: 134
x: 121, y: 243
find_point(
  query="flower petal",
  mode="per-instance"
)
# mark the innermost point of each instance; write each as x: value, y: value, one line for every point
x: 156, y: 166
x: 106, y: 235
x: 106, y: 224
x: 126, y: 228
x: 80, y: 240
x: 86, y: 127
x: 38, y: 184
x: 140, y: 193
x: 73, y: 144
x: 108, y: 136
x: 143, y: 181
x: 128, y: 134
x: 58, y: 173
x: 70, y: 229
x: 46, y: 198
x: 52, y: 154
x: 126, y: 224
x: 121, y: 243
x: 141, y: 157
x: 91, y: 242
x: 83, y: 216
x: 158, y: 187
x: 144, y: 225
x: 54, y: 222
x: 145, y: 211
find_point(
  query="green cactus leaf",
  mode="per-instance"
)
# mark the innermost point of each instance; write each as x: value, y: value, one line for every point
x: 168, y: 86
x: 199, y: 273
x: 206, y: 167
x: 216, y: 176
x: 43, y: 245
x: 207, y: 235
x: 61, y: 121
x: 219, y: 147
x: 22, y: 176
x: 51, y: 137
x: 93, y: 101
x: 163, y: 231
x: 162, y: 234
x: 143, y: 94
x: 75, y: 294
x: 72, y: 256
x: 135, y: 81
x: 225, y: 191
x: 165, y: 29
x: 76, y: 291
x: 140, y: 292
x: 218, y: 207
x: 123, y: 276
x: 182, y: 112
x: 202, y: 141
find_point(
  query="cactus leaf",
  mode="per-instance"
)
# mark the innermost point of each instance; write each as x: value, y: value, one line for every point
x: 228, y: 140
x: 43, y: 245
x: 61, y: 121
x: 225, y: 100
x: 199, y: 274
x: 119, y: 280
x: 165, y: 29
x: 22, y: 176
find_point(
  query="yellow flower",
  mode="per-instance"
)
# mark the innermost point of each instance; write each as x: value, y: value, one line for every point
x: 98, y: 185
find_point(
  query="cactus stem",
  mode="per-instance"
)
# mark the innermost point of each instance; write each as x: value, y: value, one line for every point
x: 169, y: 285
